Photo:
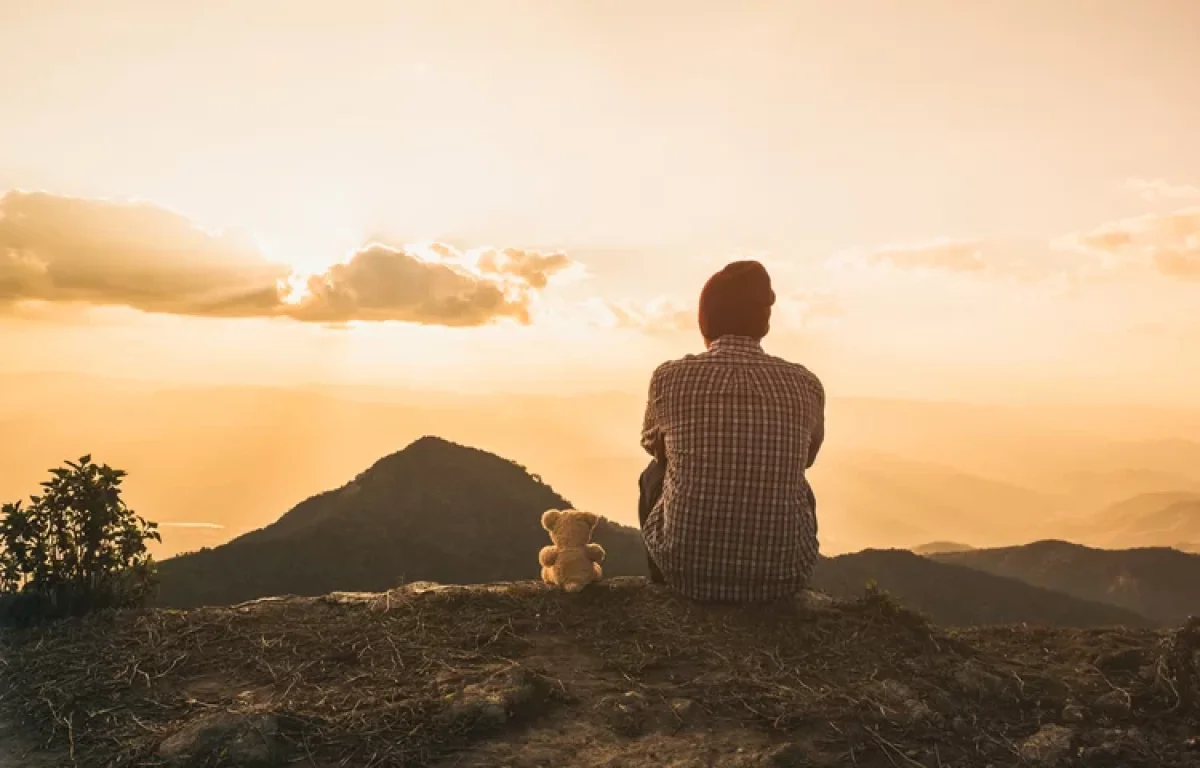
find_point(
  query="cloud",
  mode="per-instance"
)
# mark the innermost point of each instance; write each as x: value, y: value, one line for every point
x: 943, y: 255
x: 534, y: 268
x: 1168, y: 243
x: 1159, y: 189
x: 808, y: 311
x: 382, y: 282
x: 977, y: 260
x: 664, y: 315
x: 74, y: 250
x: 1181, y: 263
x: 657, y: 316
x: 64, y: 249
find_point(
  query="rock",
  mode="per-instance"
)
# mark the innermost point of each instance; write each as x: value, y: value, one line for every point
x: 494, y: 701
x: 249, y: 740
x: 1073, y: 713
x: 421, y: 587
x: 1113, y: 744
x: 1126, y: 660
x: 900, y: 703
x: 249, y: 605
x: 1113, y: 704
x: 1105, y: 753
x: 814, y: 600
x: 978, y: 681
x: 787, y: 756
x: 1049, y: 746
x: 626, y: 713
x: 352, y: 598
x: 684, y: 709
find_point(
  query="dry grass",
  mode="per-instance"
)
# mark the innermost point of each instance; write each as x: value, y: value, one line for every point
x: 413, y: 677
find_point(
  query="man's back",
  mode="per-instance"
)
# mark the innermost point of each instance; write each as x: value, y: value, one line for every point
x: 738, y: 429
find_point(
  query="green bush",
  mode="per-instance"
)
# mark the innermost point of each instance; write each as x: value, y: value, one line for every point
x: 74, y: 549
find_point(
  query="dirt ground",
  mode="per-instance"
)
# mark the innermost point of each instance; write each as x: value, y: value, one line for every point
x: 17, y: 751
x: 622, y: 674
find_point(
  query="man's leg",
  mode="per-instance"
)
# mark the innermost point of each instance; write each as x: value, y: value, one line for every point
x: 650, y: 486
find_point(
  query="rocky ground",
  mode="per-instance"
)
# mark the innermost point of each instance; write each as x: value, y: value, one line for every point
x: 622, y: 674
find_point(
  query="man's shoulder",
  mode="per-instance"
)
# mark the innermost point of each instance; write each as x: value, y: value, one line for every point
x: 794, y: 368
x: 664, y: 371
x: 808, y: 380
x: 678, y: 363
x: 672, y: 371
x: 689, y: 363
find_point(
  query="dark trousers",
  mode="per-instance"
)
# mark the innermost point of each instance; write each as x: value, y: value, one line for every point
x: 650, y: 488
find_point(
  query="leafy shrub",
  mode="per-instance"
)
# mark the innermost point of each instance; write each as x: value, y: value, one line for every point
x: 74, y: 549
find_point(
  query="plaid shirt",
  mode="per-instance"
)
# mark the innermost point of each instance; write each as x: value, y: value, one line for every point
x: 737, y: 519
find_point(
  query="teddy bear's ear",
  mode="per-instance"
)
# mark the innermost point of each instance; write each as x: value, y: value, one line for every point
x: 550, y: 519
x: 591, y: 518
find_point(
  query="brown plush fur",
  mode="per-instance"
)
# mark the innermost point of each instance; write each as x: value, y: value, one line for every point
x: 572, y: 562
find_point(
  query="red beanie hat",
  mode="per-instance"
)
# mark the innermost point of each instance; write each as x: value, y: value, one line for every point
x: 737, y: 301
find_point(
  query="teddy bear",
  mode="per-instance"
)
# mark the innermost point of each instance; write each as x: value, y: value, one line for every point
x: 572, y: 562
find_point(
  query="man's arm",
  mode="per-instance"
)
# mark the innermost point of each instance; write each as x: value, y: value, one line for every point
x: 817, y: 434
x: 652, y: 439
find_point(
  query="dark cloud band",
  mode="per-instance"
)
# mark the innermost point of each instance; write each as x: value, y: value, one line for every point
x: 63, y: 249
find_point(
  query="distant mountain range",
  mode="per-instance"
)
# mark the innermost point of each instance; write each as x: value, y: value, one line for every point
x: 954, y: 595
x: 214, y: 462
x: 1164, y: 518
x: 1160, y: 583
x: 445, y: 512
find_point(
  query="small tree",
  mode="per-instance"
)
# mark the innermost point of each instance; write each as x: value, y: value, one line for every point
x: 77, y: 547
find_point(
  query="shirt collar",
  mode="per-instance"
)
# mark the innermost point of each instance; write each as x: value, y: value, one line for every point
x: 737, y: 344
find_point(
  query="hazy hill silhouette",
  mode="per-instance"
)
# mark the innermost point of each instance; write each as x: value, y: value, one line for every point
x: 1157, y: 582
x: 434, y: 511
x: 439, y: 511
x: 894, y: 472
x: 1164, y: 518
x: 954, y: 595
x: 937, y: 547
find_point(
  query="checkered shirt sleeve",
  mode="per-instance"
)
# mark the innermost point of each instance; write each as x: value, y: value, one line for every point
x: 738, y: 428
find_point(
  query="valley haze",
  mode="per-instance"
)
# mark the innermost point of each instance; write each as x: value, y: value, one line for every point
x: 213, y: 462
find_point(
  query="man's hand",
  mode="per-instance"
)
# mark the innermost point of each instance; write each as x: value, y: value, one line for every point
x: 816, y: 439
x: 651, y: 436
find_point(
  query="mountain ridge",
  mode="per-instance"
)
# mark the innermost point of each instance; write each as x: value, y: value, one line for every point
x: 958, y: 595
x: 441, y: 511
x: 1157, y: 582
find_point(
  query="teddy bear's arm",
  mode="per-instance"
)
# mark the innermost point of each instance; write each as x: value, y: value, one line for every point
x: 595, y: 552
x: 547, y: 556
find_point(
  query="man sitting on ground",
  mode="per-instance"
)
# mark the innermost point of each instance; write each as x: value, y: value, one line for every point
x: 726, y: 510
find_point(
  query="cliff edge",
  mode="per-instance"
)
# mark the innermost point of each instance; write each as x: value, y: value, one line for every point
x: 623, y: 674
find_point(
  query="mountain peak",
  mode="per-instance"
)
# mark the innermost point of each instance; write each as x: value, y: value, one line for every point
x: 435, y: 510
x: 432, y: 443
x: 430, y: 450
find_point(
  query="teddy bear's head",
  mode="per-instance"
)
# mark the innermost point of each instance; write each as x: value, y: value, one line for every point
x: 569, y: 527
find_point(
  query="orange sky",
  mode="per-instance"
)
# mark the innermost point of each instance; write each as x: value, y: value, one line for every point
x: 956, y: 200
